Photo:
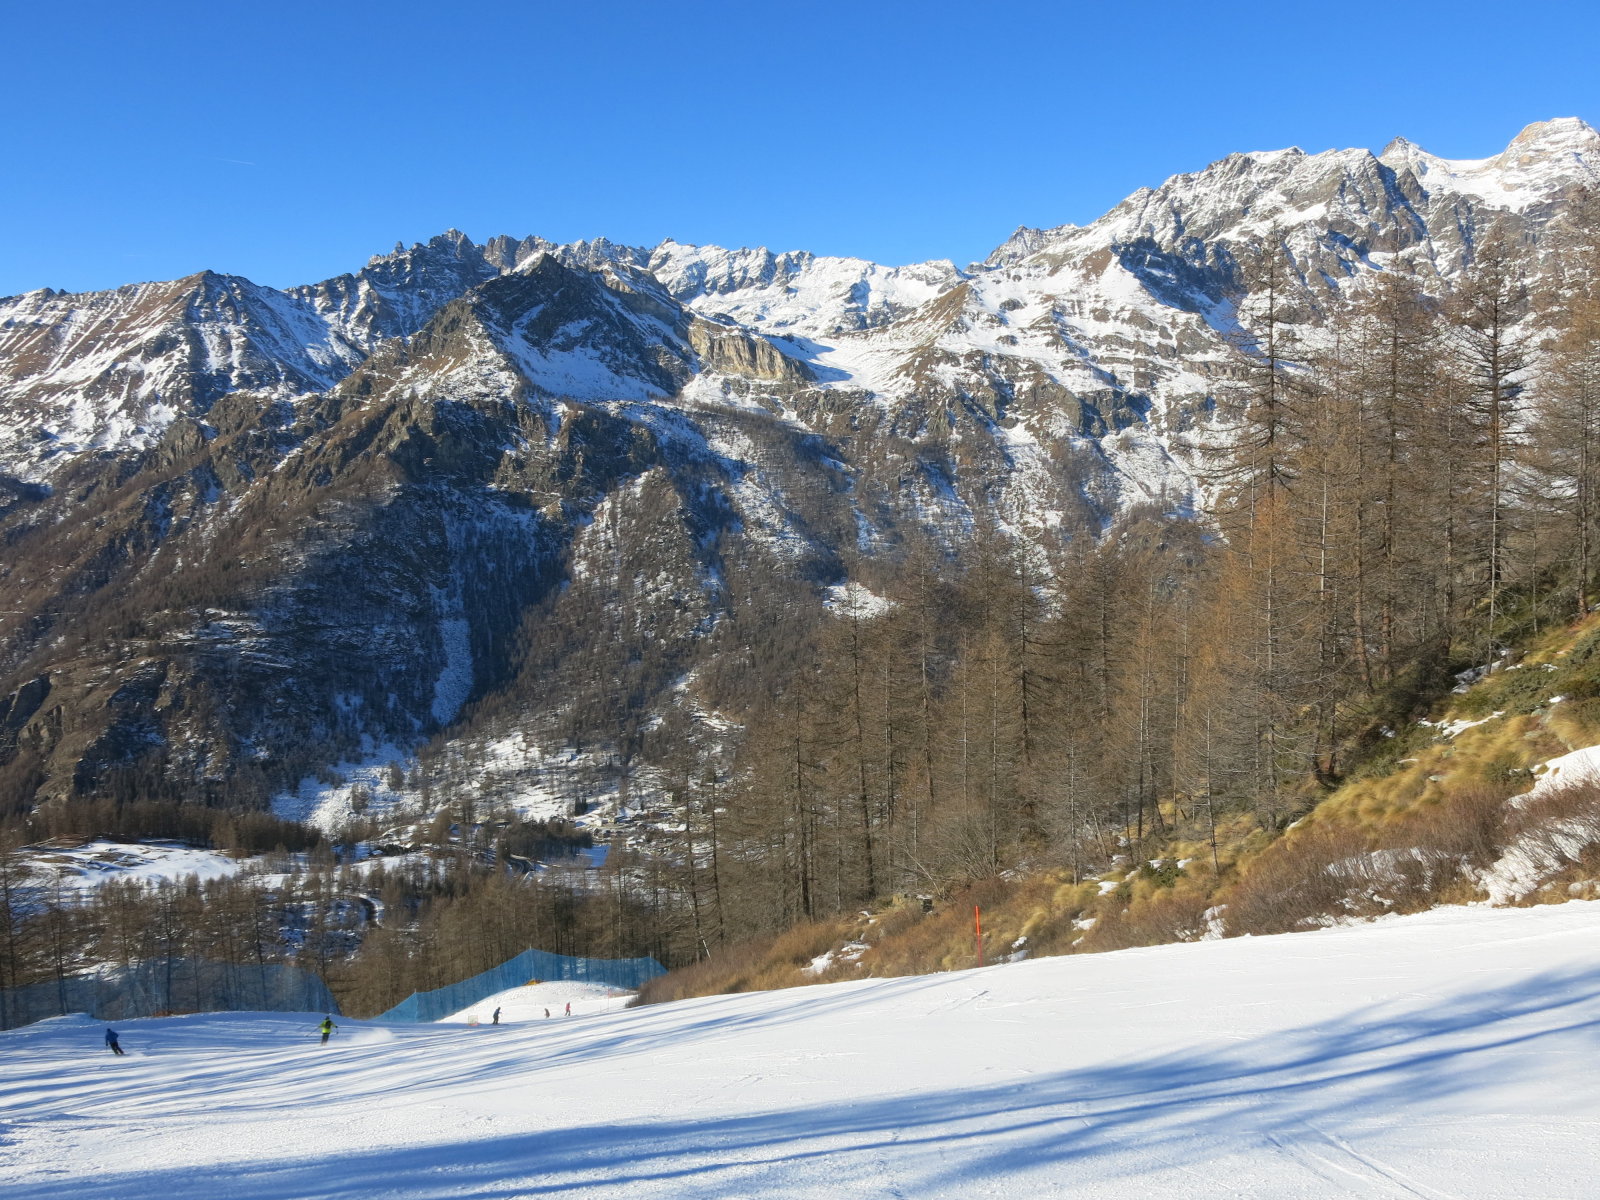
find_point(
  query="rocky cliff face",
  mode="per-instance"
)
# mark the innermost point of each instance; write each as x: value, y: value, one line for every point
x: 253, y: 534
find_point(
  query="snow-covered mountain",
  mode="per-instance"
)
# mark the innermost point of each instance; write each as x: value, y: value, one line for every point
x: 252, y: 532
x: 1115, y: 320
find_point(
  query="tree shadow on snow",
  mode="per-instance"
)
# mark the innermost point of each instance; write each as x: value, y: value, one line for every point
x: 1375, y: 1062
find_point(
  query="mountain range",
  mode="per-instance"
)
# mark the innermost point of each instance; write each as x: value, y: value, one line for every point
x: 506, y: 497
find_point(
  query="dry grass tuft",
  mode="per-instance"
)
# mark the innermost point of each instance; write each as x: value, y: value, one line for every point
x: 1175, y: 915
x: 1327, y: 871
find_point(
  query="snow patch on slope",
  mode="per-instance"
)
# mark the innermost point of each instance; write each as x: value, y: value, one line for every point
x: 455, y: 681
x: 1566, y: 770
x: 329, y: 800
x: 85, y: 867
x: 1551, y: 846
x: 855, y: 600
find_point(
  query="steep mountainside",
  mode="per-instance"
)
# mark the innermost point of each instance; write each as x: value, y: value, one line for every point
x: 254, y: 534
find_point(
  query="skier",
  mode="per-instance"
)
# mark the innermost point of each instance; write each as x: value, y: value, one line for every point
x: 569, y: 1008
x: 111, y: 1041
x: 495, y: 1020
x: 547, y: 1014
x: 327, y: 1027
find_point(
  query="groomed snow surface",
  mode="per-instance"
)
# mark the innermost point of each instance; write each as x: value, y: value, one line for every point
x: 1452, y: 1054
x: 544, y: 1001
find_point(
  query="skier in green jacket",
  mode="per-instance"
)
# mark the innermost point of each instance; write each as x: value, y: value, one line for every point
x: 327, y: 1028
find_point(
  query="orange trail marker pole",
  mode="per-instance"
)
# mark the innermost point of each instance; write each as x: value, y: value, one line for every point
x: 977, y: 925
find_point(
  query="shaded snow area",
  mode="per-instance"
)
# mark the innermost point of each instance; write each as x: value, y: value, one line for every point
x: 327, y: 801
x: 1443, y: 1055
x: 544, y: 1001
x: 87, y: 866
x: 540, y: 783
x: 454, y: 685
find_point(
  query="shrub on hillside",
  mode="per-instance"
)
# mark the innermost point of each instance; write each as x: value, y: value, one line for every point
x: 1172, y: 915
x: 1548, y: 840
x: 758, y: 965
x: 1320, y: 873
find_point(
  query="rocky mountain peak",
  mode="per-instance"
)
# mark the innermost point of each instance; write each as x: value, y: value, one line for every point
x: 1542, y: 159
x: 1556, y: 144
x: 1556, y: 138
x: 1024, y: 240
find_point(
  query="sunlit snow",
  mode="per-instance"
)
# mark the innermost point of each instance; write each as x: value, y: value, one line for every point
x: 1444, y: 1055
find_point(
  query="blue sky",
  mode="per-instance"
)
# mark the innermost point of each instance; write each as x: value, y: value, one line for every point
x: 289, y: 141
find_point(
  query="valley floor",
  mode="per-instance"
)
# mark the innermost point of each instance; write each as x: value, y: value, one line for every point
x: 1451, y: 1054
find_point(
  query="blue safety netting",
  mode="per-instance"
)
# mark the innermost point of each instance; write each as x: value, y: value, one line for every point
x: 531, y: 966
x: 161, y: 986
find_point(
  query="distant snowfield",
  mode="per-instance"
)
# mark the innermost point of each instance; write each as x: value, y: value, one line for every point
x: 1447, y: 1055
x: 88, y: 866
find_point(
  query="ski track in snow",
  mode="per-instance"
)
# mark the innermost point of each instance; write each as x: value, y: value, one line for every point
x: 1443, y: 1056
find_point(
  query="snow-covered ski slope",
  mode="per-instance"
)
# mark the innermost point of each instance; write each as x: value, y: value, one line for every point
x: 543, y: 1002
x: 1452, y: 1054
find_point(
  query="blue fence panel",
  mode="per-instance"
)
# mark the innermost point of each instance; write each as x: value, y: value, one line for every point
x: 528, y: 967
x: 167, y: 986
